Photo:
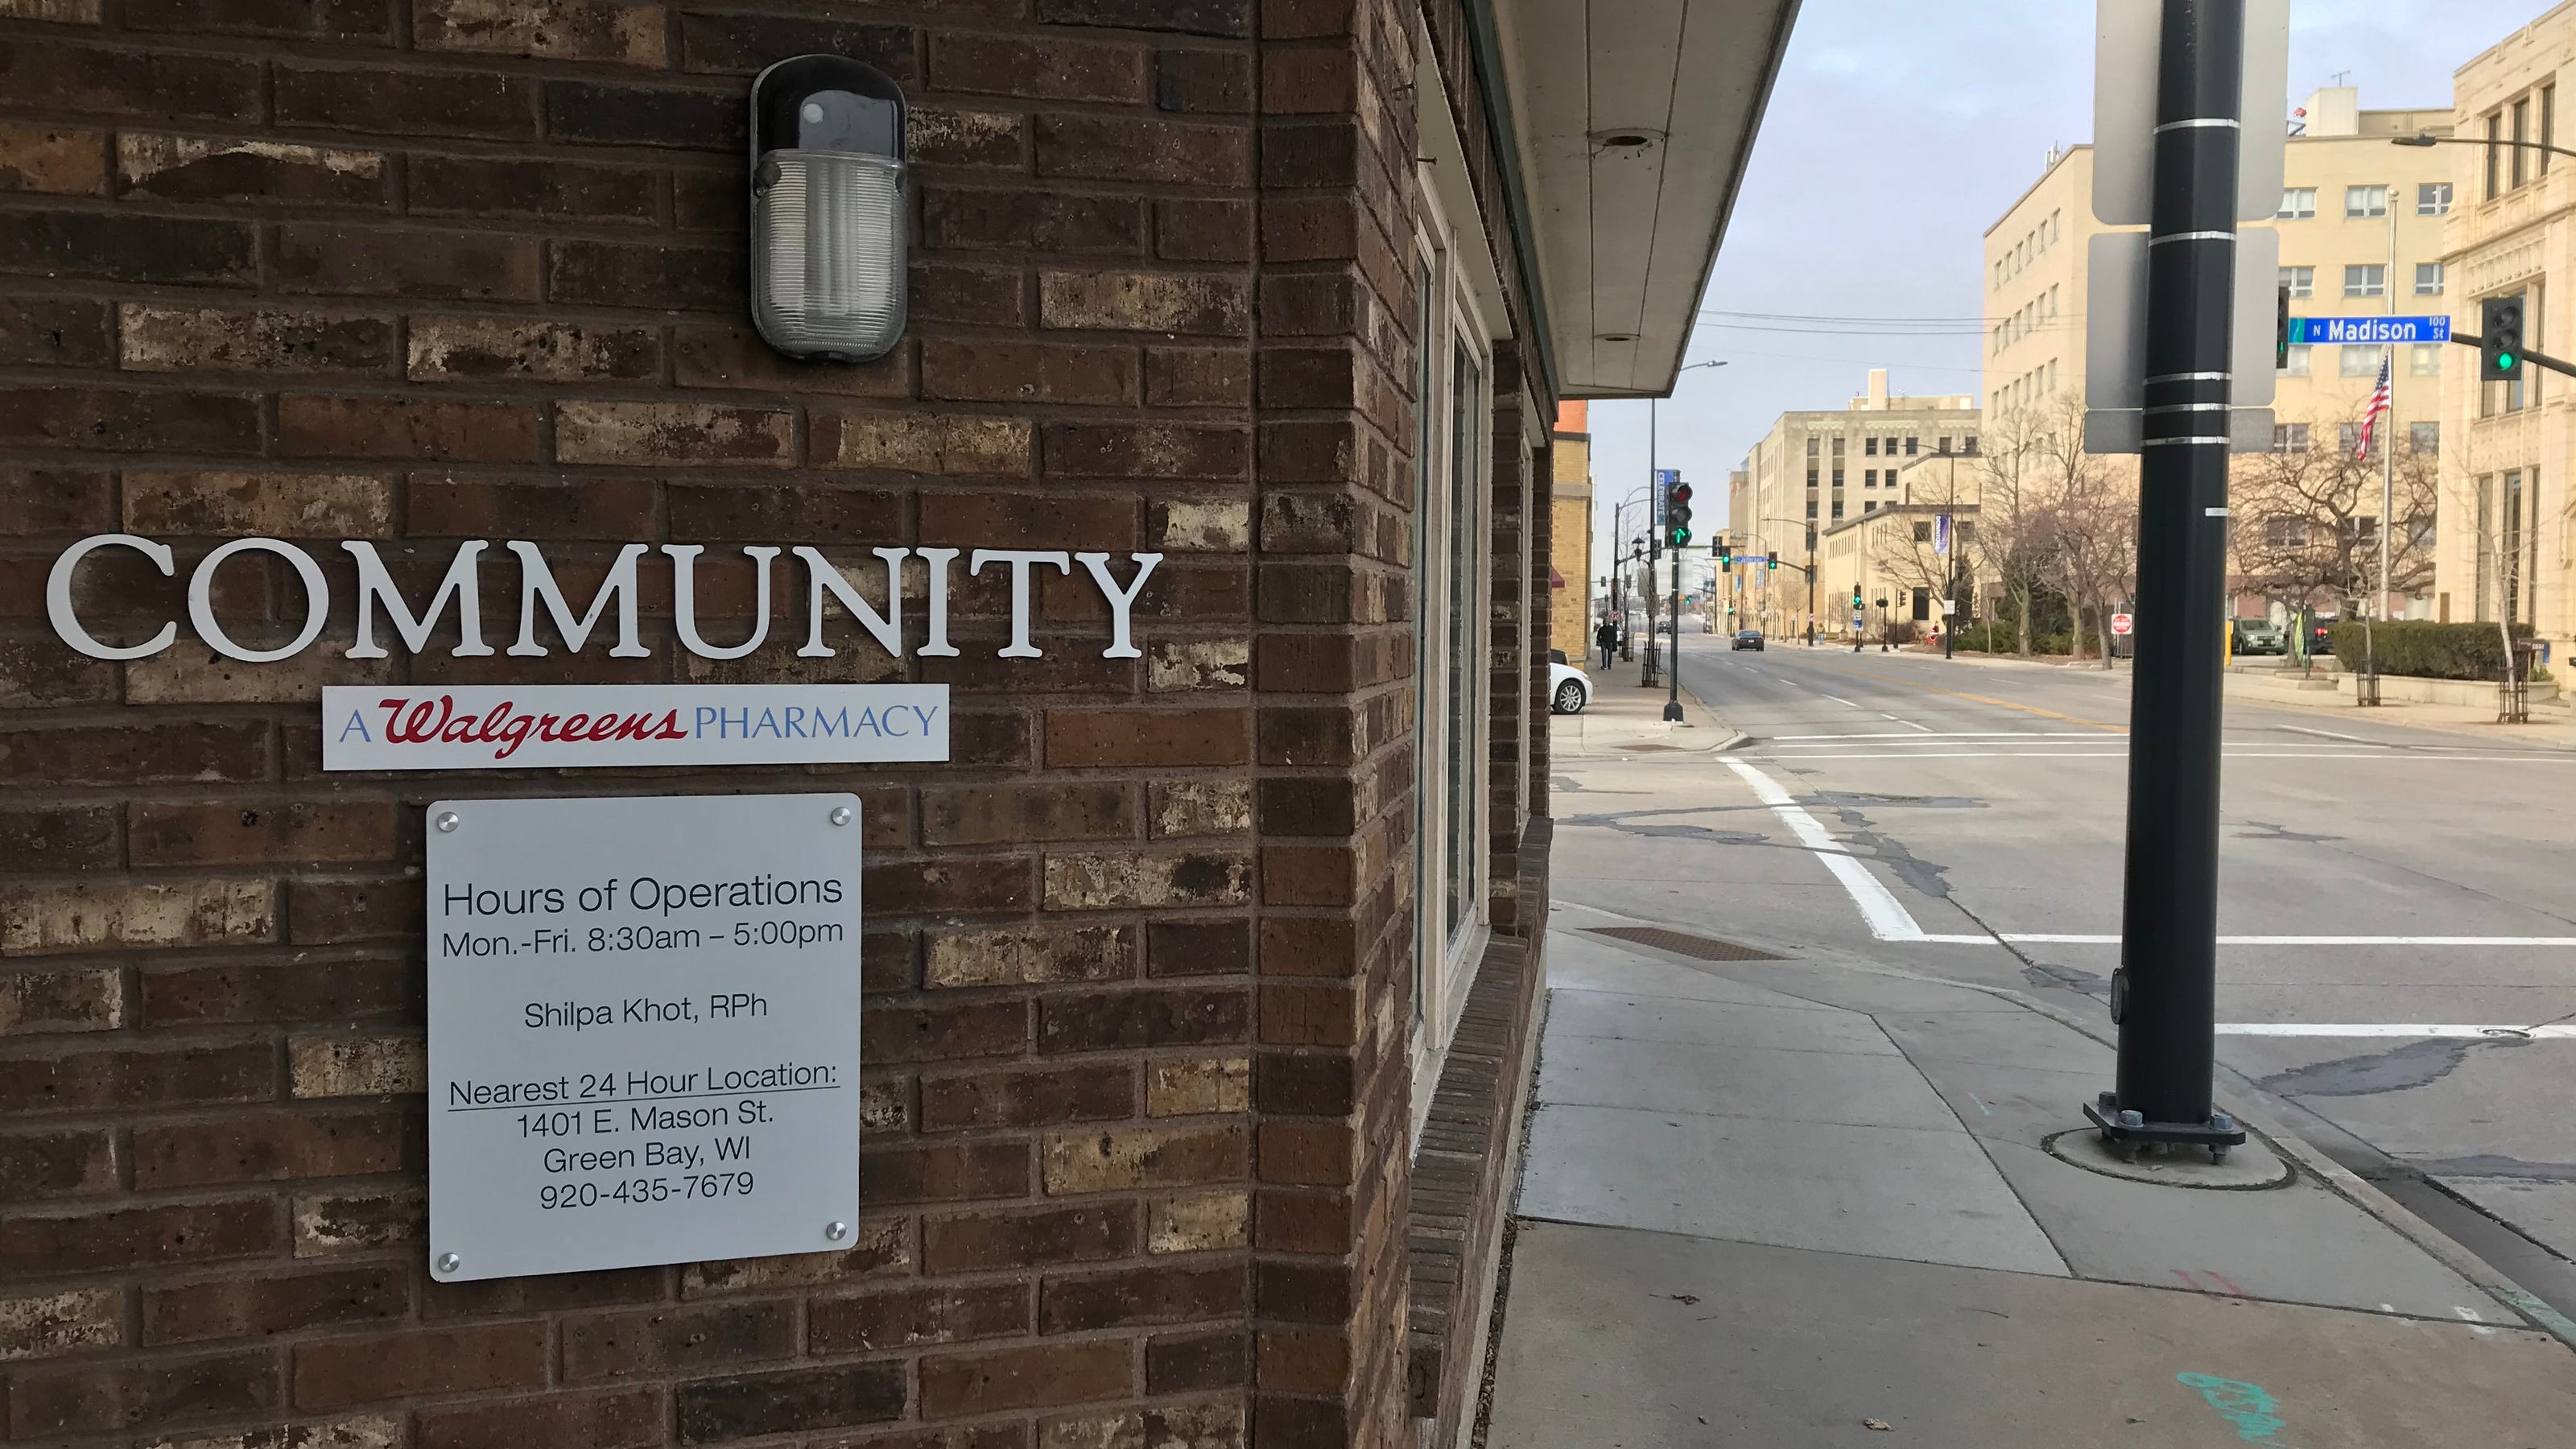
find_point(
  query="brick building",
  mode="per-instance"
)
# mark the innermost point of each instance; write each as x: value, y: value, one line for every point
x: 1198, y: 977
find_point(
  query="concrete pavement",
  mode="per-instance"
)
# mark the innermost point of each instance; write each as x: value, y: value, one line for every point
x: 1770, y: 1200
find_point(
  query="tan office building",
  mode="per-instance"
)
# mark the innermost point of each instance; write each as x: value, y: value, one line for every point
x: 2361, y: 223
x: 1815, y: 469
x: 1897, y: 556
x: 1570, y: 578
x: 2506, y: 539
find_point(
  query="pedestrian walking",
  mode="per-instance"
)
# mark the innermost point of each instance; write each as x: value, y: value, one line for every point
x: 1606, y: 638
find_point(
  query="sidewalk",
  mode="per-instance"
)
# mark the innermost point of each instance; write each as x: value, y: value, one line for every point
x: 1625, y: 720
x: 1811, y: 1202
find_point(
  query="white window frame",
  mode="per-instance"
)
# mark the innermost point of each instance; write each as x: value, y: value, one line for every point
x: 2357, y: 283
x: 2365, y: 202
x: 2302, y: 281
x: 2357, y: 359
x: 1446, y: 956
x: 2298, y: 203
x: 2300, y: 360
x: 2433, y: 272
x: 2433, y: 198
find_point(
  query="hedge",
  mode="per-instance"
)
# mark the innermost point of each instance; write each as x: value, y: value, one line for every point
x: 2421, y: 649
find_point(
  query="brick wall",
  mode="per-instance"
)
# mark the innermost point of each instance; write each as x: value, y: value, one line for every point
x: 1137, y: 959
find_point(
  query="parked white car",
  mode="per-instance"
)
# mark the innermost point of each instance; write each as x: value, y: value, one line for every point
x: 1568, y: 689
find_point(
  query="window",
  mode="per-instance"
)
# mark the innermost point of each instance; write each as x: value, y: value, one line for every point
x: 1870, y: 507
x: 2299, y: 203
x: 1870, y: 446
x: 2365, y: 201
x: 1970, y: 447
x: 1909, y: 445
x: 1469, y: 421
x: 2428, y: 279
x: 1922, y: 531
x: 2289, y: 437
x: 2282, y: 532
x: 1945, y: 445
x: 2356, y: 360
x: 1869, y: 479
x: 2495, y: 132
x: 1811, y: 447
x: 1838, y: 478
x: 2519, y: 159
x: 1811, y: 476
x: 2348, y: 437
x: 1838, y: 452
x: 1811, y: 512
x: 2424, y: 359
x: 2433, y: 198
x: 2424, y: 438
x: 1838, y: 505
x: 2297, y: 364
x: 2366, y: 280
x: 2301, y: 281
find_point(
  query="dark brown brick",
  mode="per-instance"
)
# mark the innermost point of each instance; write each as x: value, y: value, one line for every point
x: 56, y: 77
x: 52, y: 160
x: 231, y: 834
x: 989, y: 1241
x: 407, y: 103
x: 821, y: 515
x: 944, y: 1033
x: 323, y: 912
x: 267, y: 1303
x: 953, y: 1172
x: 133, y: 754
x: 157, y: 1393
x: 1159, y: 450
x: 406, y: 427
x: 959, y: 884
x: 1193, y: 229
x: 69, y: 1163
x: 269, y: 1148
x: 32, y: 1247
x: 282, y: 991
x: 489, y: 186
x: 1141, y: 1295
x: 997, y: 814
x: 1189, y: 1363
x: 628, y: 1419
x: 1118, y: 148
x: 1212, y: 82
x: 742, y: 44
x: 662, y: 1341
x: 56, y: 837
x: 1104, y: 1093
x: 553, y: 30
x: 124, y: 420
x: 610, y: 508
x: 714, y: 1410
x: 169, y: 1076
x: 337, y: 1372
x: 361, y: 21
x: 1032, y: 221
x: 357, y: 261
x: 910, y: 1317
x: 54, y: 332
x: 630, y: 115
x: 1038, y: 68
x: 714, y: 356
x: 613, y: 274
x: 1177, y: 1017
x: 1025, y: 1378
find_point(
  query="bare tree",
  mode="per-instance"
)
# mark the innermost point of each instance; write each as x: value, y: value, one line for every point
x: 2306, y: 521
x: 2502, y: 523
x: 2087, y: 519
x: 2011, y: 509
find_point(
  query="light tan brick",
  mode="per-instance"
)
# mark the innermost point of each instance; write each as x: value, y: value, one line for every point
x: 1204, y: 525
x: 547, y: 29
x: 47, y: 1324
x: 1123, y: 1159
x: 1199, y: 664
x: 357, y: 1222
x: 356, y: 1066
x: 476, y: 349
x: 883, y: 1248
x: 1171, y: 1426
x: 1202, y: 807
x: 173, y: 339
x: 371, y: 1432
x: 1028, y: 958
x: 1196, y: 1222
x: 946, y: 447
x: 278, y: 505
x: 39, y: 920
x: 1143, y: 302
x: 658, y: 434
x: 1141, y: 882
x: 1191, y: 1086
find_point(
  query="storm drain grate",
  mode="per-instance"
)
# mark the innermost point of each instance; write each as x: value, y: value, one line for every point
x: 1682, y: 943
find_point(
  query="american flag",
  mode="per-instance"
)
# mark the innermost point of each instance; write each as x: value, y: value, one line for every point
x: 2378, y: 405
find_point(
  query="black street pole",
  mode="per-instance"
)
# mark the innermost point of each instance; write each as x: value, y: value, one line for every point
x: 2164, y: 995
x: 1950, y: 625
x: 1673, y: 702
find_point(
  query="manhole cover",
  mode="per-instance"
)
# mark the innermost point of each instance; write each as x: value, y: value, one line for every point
x: 1682, y: 943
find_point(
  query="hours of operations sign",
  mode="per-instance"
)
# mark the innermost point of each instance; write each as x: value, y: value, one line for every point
x: 643, y: 1031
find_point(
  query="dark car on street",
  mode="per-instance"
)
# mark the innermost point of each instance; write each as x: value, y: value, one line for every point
x: 1749, y: 639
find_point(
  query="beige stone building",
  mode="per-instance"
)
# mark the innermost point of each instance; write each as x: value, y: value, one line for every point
x: 1570, y: 579
x: 1894, y: 553
x: 2362, y: 233
x: 2506, y: 542
x: 1818, y: 468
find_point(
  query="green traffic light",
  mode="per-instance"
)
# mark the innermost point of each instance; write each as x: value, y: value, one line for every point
x: 2505, y: 360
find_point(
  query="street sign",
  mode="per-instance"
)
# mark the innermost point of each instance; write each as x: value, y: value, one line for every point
x: 1665, y: 478
x: 2121, y: 624
x: 2128, y: 35
x: 2368, y: 331
x: 2115, y: 341
x: 643, y: 1031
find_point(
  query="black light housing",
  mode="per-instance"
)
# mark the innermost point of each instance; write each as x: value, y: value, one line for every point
x: 827, y: 208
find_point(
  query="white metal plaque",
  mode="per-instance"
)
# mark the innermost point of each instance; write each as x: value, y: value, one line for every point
x: 643, y: 1031
x: 2128, y: 46
x: 555, y: 726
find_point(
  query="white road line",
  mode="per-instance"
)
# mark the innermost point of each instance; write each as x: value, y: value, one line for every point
x: 1909, y: 724
x: 1957, y: 735
x: 1879, y: 909
x: 2329, y: 734
x: 2116, y: 752
x: 2426, y: 1031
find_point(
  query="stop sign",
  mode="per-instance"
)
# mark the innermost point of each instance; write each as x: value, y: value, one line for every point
x: 2120, y: 625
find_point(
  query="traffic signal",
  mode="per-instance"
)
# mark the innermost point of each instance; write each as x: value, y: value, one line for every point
x: 2499, y: 338
x: 1677, y: 515
x: 1855, y: 596
x: 1725, y: 553
x: 1770, y: 560
x: 2281, y: 331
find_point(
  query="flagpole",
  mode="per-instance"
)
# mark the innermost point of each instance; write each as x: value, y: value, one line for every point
x: 2388, y: 444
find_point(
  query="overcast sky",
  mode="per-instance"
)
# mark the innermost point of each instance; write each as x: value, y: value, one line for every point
x: 1900, y: 131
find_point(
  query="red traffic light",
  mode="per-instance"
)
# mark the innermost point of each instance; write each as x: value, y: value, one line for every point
x: 1681, y: 493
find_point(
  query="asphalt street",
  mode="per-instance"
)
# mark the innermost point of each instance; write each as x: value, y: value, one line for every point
x: 2398, y: 950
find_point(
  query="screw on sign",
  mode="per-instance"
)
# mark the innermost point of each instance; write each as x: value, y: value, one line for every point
x: 2121, y: 625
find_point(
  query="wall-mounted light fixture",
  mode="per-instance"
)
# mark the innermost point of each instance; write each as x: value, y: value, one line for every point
x: 827, y: 208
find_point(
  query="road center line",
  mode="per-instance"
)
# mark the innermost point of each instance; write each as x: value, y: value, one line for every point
x: 1975, y: 698
x: 2428, y: 1031
x: 2052, y: 938
x: 1879, y: 908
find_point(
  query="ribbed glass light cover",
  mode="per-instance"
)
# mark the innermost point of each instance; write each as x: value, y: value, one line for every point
x: 827, y: 269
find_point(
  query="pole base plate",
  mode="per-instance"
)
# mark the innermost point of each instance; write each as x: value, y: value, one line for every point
x: 2127, y: 1132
